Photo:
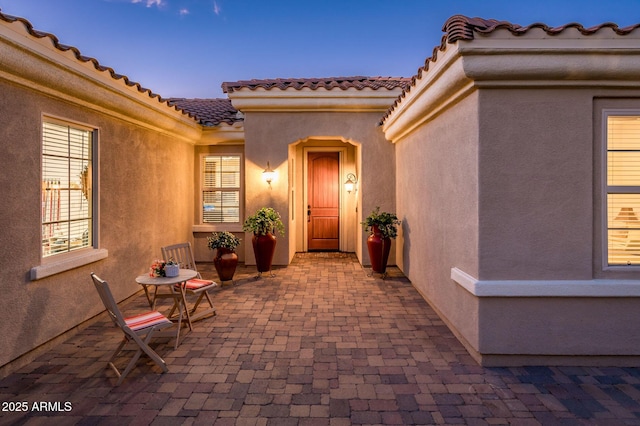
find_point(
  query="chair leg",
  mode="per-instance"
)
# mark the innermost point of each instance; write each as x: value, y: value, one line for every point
x: 206, y: 294
x: 143, y: 346
x: 198, y: 300
x: 130, y: 366
x: 151, y: 353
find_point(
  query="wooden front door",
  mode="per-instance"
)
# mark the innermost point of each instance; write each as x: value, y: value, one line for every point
x: 324, y: 200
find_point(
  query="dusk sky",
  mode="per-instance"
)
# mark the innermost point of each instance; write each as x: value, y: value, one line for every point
x: 187, y: 48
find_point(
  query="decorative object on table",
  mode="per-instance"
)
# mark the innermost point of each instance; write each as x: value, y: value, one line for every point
x: 383, y: 227
x: 157, y: 268
x: 171, y: 268
x: 264, y: 223
x: 226, y: 258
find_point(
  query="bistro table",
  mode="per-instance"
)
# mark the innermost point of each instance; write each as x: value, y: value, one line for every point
x: 177, y: 294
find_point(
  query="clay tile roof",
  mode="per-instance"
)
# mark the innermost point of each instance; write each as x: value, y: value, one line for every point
x: 208, y: 112
x: 460, y: 27
x: 65, y: 48
x: 329, y: 83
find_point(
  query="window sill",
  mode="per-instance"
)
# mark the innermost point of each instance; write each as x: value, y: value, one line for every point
x: 236, y: 227
x: 546, y: 288
x: 68, y: 262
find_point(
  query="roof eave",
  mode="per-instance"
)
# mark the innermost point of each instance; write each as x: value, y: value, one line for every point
x: 38, y: 61
x: 351, y: 100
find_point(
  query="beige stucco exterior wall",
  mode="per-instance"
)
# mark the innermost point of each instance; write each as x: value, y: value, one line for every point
x: 268, y: 136
x: 146, y: 196
x: 550, y: 231
x: 437, y: 201
x: 533, y: 289
x: 509, y: 188
x: 536, y: 184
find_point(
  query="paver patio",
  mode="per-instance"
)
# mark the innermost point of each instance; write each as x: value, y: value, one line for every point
x: 321, y: 343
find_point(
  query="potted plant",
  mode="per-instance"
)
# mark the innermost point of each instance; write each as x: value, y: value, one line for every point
x: 226, y: 258
x: 264, y: 223
x: 383, y: 226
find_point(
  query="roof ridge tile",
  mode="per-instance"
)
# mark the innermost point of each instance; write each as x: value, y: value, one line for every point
x: 461, y: 27
x: 328, y: 83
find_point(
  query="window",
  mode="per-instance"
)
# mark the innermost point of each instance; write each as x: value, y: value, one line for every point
x: 67, y: 206
x: 623, y: 189
x: 221, y: 189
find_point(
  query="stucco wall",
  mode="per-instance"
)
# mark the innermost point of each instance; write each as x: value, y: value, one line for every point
x: 146, y: 193
x: 267, y: 138
x: 506, y: 186
x: 437, y: 199
x: 536, y: 184
x: 540, y: 219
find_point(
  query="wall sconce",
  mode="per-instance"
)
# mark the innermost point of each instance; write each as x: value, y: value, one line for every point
x: 351, y: 182
x: 268, y: 174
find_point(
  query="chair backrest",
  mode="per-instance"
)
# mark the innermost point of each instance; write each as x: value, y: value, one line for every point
x: 108, y: 301
x: 182, y: 254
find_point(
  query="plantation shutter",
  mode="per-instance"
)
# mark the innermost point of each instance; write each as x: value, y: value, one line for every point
x: 66, y: 188
x: 623, y: 190
x: 221, y: 189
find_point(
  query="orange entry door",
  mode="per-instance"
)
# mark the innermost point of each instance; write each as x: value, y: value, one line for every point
x: 324, y: 198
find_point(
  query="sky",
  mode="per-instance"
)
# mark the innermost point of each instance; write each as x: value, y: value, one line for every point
x: 188, y: 48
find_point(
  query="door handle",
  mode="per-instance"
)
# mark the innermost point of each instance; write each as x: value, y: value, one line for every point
x: 308, y: 213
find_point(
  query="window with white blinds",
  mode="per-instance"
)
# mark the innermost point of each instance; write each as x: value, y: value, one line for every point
x: 66, y: 188
x: 623, y: 189
x: 221, y: 189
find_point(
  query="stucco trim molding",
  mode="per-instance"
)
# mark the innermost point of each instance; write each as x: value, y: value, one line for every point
x: 444, y: 85
x: 545, y: 288
x: 364, y: 100
x: 67, y: 263
x: 223, y: 134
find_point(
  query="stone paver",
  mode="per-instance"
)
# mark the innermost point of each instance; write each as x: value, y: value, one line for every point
x: 321, y: 343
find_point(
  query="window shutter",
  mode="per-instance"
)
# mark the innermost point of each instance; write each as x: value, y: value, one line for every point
x: 66, y: 182
x: 221, y: 189
x: 623, y: 190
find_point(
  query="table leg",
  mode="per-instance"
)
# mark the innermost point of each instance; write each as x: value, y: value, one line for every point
x: 183, y: 294
x: 150, y: 298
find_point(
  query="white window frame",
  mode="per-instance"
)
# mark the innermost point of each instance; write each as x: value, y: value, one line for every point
x: 606, y: 189
x: 222, y: 226
x: 64, y: 261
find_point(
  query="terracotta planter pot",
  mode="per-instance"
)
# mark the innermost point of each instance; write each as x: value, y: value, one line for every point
x: 264, y: 246
x: 225, y: 261
x: 379, y: 248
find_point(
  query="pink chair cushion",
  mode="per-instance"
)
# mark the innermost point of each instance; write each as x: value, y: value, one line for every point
x: 196, y: 284
x: 148, y: 319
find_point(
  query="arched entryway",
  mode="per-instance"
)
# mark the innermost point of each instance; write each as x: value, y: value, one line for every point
x: 325, y: 214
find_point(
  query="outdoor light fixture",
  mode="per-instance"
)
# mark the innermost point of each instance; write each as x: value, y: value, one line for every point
x: 268, y: 174
x: 350, y: 184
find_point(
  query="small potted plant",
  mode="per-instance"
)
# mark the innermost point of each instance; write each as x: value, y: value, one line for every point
x: 264, y: 223
x: 226, y: 258
x: 383, y: 226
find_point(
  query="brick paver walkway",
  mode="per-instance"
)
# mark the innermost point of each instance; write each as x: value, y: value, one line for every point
x: 321, y: 343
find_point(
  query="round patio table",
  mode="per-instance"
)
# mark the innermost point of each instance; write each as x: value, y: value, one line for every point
x: 179, y: 299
